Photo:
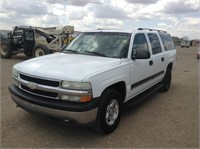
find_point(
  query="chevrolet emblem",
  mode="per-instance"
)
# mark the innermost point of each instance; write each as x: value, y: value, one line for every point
x: 32, y: 85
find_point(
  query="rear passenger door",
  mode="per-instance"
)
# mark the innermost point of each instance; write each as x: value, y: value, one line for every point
x: 158, y: 57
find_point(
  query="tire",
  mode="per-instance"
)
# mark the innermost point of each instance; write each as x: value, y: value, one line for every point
x: 6, y: 50
x: 166, y: 82
x: 109, y: 112
x: 40, y: 50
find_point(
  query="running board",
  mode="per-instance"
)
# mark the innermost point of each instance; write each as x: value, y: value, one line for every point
x: 143, y: 95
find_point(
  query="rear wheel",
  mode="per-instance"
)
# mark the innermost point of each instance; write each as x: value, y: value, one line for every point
x: 40, y: 50
x: 166, y: 82
x: 6, y: 50
x: 109, y: 112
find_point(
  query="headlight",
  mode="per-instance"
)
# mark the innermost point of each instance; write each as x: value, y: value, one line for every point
x: 15, y: 73
x: 76, y: 98
x: 79, y: 86
x: 76, y: 85
x: 70, y: 98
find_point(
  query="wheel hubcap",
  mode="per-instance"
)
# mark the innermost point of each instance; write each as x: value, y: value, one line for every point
x: 112, y: 112
x: 39, y: 52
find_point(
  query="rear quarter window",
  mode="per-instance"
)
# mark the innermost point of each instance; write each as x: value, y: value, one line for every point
x: 155, y: 43
x: 167, y: 42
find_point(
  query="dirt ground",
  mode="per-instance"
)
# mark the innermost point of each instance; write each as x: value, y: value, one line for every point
x: 163, y: 120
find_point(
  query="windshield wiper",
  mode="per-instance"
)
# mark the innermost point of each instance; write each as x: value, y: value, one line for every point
x: 95, y: 53
x: 68, y: 50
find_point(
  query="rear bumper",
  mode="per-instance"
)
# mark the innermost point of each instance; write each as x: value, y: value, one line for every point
x: 74, y: 113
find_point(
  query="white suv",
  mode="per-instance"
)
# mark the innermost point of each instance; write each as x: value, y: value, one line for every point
x: 95, y: 75
x: 185, y: 43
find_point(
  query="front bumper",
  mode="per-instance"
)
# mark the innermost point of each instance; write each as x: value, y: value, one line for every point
x: 75, y: 113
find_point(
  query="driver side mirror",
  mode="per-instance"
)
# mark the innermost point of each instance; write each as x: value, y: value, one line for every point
x: 141, y: 54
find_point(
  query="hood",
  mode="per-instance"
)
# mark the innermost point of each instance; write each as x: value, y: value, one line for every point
x: 63, y: 66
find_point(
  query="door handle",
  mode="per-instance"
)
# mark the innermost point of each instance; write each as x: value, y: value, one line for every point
x: 150, y: 62
x: 162, y: 59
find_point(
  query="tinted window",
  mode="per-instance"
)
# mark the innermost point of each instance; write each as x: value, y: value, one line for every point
x: 29, y: 35
x: 167, y: 42
x: 140, y: 43
x: 155, y: 44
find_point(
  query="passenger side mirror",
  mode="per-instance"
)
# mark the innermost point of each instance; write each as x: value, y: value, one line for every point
x: 141, y: 54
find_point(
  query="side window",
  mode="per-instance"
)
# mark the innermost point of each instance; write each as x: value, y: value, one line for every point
x: 155, y: 44
x: 167, y: 42
x: 29, y: 35
x: 140, y: 43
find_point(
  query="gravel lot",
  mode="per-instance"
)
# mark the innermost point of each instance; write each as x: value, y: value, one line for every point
x: 163, y: 120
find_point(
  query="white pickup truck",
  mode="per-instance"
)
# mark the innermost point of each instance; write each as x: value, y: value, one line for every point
x: 95, y: 75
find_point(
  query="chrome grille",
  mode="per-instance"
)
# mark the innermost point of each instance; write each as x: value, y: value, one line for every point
x: 39, y: 81
x: 39, y: 92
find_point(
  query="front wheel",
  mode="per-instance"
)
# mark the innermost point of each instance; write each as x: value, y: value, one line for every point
x: 166, y: 82
x: 109, y: 112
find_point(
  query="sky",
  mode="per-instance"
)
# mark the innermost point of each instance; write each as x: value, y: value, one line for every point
x: 178, y: 17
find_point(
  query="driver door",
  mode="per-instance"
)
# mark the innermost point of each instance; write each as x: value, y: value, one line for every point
x: 141, y: 69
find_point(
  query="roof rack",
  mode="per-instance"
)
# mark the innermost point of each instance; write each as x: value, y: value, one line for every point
x: 150, y: 29
x: 108, y: 29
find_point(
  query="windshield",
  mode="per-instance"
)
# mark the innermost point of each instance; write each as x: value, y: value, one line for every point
x: 114, y: 45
